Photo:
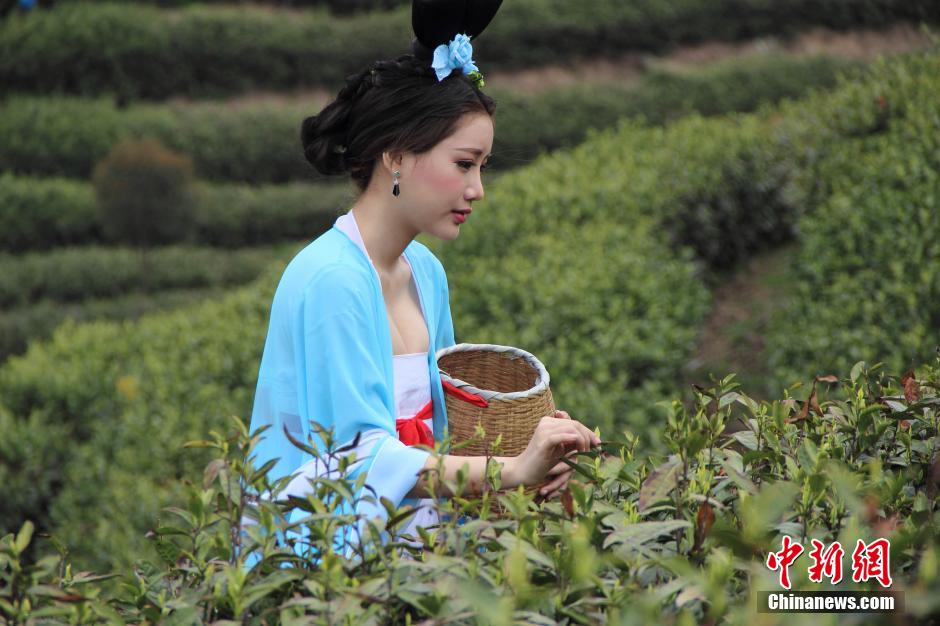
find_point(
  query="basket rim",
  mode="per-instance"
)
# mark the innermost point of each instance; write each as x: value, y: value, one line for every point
x: 540, y: 386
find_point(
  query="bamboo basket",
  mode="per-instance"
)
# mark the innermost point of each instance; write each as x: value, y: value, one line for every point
x: 501, y: 388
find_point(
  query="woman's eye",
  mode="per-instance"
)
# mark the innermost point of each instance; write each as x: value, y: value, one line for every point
x: 468, y: 164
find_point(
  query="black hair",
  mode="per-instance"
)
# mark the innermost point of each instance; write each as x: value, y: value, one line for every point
x: 393, y: 105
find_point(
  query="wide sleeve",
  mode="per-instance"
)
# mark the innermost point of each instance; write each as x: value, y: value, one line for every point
x: 342, y: 369
x: 345, y: 384
x: 348, y: 386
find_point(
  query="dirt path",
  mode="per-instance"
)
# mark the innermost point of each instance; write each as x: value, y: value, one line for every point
x: 732, y: 338
x: 863, y: 44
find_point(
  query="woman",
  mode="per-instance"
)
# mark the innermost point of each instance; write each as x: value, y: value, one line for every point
x: 360, y: 313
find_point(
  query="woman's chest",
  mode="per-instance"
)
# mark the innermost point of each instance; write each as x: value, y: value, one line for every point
x: 406, y: 320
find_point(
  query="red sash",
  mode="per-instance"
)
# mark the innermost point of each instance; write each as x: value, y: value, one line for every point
x: 413, y: 430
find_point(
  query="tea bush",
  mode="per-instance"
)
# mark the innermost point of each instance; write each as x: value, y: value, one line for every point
x: 868, y: 269
x: 122, y: 394
x: 46, y: 213
x: 611, y: 237
x: 721, y: 187
x: 635, y: 539
x: 22, y: 325
x: 144, y: 193
x: 74, y: 274
x: 259, y: 142
x: 42, y: 213
x: 337, y: 7
x: 611, y: 308
x: 561, y: 117
x: 47, y: 51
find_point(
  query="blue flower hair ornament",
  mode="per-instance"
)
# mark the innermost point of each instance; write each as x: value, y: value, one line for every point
x: 457, y: 54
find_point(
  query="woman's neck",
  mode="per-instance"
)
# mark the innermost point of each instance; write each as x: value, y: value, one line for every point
x: 384, y: 234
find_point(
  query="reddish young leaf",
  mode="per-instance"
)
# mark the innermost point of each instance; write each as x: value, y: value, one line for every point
x: 704, y: 520
x: 567, y: 501
x: 811, y: 403
x: 911, y: 386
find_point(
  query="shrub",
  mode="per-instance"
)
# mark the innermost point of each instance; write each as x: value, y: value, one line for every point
x: 41, y: 213
x: 868, y: 268
x: 48, y: 51
x: 46, y: 213
x: 144, y: 194
x: 337, y: 7
x: 26, y: 324
x: 124, y: 400
x: 681, y: 537
x: 610, y: 309
x: 257, y: 142
x: 75, y: 274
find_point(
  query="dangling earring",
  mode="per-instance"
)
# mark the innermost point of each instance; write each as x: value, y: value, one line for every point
x: 395, y: 189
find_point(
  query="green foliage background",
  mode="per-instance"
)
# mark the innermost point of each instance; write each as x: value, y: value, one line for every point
x: 116, y: 387
x: 599, y: 257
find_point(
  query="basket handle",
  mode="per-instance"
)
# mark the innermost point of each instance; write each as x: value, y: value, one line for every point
x: 466, y: 396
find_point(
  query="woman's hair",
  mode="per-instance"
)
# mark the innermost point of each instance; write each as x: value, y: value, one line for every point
x: 394, y: 105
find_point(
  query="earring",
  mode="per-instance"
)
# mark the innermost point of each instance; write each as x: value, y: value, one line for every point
x: 395, y: 189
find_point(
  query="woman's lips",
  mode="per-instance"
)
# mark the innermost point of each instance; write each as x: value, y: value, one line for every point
x: 459, y: 217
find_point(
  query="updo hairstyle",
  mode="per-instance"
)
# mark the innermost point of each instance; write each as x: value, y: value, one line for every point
x: 393, y: 105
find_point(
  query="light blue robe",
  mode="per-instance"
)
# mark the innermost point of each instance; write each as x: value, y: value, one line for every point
x: 328, y: 358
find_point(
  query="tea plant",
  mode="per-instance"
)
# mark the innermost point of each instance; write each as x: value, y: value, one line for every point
x: 680, y: 538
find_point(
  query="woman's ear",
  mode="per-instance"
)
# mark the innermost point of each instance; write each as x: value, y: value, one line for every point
x: 391, y: 161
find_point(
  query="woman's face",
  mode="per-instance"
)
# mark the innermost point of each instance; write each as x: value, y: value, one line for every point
x: 436, y: 186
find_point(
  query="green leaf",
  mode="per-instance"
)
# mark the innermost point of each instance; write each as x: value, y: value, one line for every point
x: 643, y: 532
x: 762, y: 512
x: 659, y: 483
x: 738, y: 477
x: 23, y: 537
x: 212, y: 471
x: 746, y: 438
x: 511, y: 542
x: 856, y: 371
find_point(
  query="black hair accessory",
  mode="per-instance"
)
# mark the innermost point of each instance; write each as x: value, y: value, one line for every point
x: 437, y: 22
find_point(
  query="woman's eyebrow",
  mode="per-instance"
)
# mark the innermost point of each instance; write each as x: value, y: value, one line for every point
x: 475, y: 151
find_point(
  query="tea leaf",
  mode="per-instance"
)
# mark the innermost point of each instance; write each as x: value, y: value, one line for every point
x: 642, y: 532
x: 704, y: 520
x: 911, y: 387
x: 659, y: 483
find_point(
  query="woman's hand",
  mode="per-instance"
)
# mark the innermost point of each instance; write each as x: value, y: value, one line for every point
x: 555, y: 437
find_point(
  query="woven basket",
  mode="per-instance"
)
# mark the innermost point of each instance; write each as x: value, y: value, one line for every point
x: 503, y: 389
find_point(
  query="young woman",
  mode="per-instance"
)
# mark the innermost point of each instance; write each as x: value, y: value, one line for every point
x: 360, y: 313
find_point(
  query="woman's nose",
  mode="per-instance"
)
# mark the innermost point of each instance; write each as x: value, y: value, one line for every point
x: 475, y: 191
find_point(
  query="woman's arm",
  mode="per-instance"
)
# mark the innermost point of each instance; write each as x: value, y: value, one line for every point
x: 554, y: 437
x: 450, y: 465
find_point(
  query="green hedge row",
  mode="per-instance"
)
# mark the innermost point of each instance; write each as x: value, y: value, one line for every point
x: 42, y: 213
x: 589, y: 279
x: 338, y: 7
x: 123, y: 397
x: 74, y: 274
x: 260, y: 143
x: 867, y: 273
x: 208, y: 51
x: 638, y: 537
x: 718, y: 186
x: 21, y: 326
